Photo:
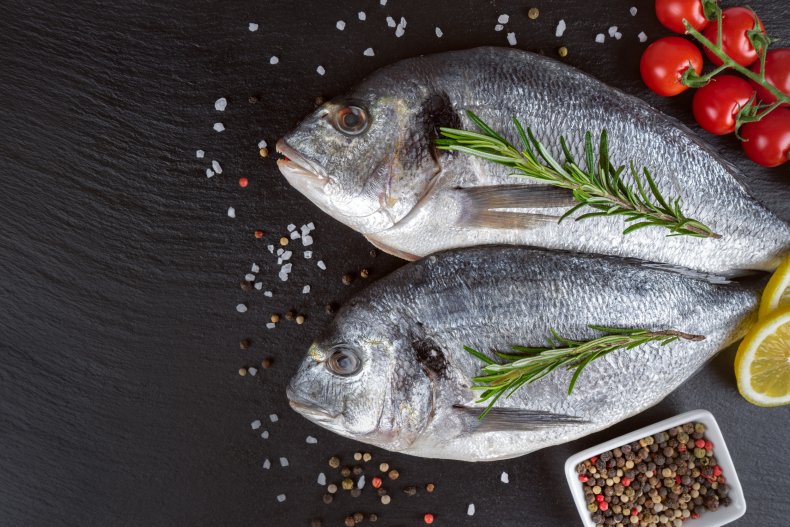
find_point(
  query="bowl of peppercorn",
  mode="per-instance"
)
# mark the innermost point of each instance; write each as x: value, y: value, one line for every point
x: 677, y: 472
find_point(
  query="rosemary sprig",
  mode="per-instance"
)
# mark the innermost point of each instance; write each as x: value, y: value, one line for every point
x: 526, y: 365
x: 601, y: 186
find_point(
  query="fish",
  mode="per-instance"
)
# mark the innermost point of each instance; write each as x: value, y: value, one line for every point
x: 369, y: 159
x: 391, y: 370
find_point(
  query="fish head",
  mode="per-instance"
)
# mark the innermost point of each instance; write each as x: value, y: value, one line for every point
x: 359, y: 380
x: 368, y: 158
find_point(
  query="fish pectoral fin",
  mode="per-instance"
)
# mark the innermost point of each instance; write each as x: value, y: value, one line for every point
x: 378, y: 244
x: 482, y: 206
x: 512, y: 419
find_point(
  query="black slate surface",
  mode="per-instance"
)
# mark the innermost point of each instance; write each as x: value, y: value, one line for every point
x: 120, y: 402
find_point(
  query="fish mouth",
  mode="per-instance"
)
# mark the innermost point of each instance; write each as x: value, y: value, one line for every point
x: 296, y: 163
x: 307, y: 408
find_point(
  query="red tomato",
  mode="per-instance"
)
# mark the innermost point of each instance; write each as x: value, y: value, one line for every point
x: 767, y: 142
x: 716, y: 104
x: 672, y: 12
x: 664, y: 61
x: 735, y: 22
x: 777, y: 73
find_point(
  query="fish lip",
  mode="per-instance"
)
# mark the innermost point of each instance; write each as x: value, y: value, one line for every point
x: 297, y: 160
x: 306, y: 407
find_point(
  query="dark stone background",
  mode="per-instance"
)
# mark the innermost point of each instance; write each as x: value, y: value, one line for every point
x: 120, y: 402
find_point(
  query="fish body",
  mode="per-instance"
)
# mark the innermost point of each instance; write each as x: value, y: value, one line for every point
x: 404, y: 378
x: 381, y: 174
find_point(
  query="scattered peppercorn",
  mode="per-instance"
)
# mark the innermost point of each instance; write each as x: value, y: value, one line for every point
x: 384, y: 467
x: 430, y: 487
x: 563, y: 51
x: 252, y: 99
x: 347, y: 484
x: 266, y: 363
x: 358, y: 517
x: 327, y: 498
x: 331, y: 488
x: 283, y: 241
x: 329, y: 308
x: 367, y: 456
x: 300, y: 319
x: 259, y: 234
x: 263, y: 152
x: 289, y: 315
x: 319, y: 101
x: 393, y: 474
x: 243, y: 182
x: 533, y: 13
x: 345, y: 472
x: 245, y: 344
x: 364, y: 273
x: 349, y: 521
x: 375, y: 482
x: 346, y: 279
x: 385, y: 499
x: 428, y: 518
x: 356, y: 493
x: 315, y: 522
x: 275, y: 318
x: 357, y: 456
x: 357, y: 470
x: 373, y: 518
x: 242, y: 372
x: 410, y: 490
x: 246, y: 286
x: 373, y: 253
x: 334, y: 461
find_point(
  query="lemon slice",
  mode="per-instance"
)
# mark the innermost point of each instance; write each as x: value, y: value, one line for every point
x: 762, y: 365
x: 777, y: 292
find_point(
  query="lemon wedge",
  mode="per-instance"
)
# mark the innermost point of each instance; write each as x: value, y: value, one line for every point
x: 777, y: 292
x: 762, y: 364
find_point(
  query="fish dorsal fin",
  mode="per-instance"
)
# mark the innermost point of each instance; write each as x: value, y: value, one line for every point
x: 512, y: 419
x: 482, y: 206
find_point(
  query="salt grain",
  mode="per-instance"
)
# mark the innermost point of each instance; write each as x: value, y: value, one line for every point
x: 253, y: 26
x: 504, y: 478
x: 599, y: 38
x: 199, y: 154
x: 209, y: 172
x: 231, y: 212
x: 249, y: 277
x: 499, y: 27
x: 268, y: 294
x: 362, y: 16
x: 305, y: 289
x: 280, y: 251
x: 287, y: 255
x: 503, y: 19
x: 271, y: 248
x: 320, y: 70
x: 632, y: 11
x: 262, y: 143
x: 439, y: 33
x: 255, y: 424
x: 311, y: 226
x: 340, y: 25
x: 560, y: 28
x: 291, y: 227
x: 252, y: 371
x: 295, y: 235
x: 265, y: 434
x: 255, y: 268
x: 383, y: 2
x: 511, y: 39
x: 307, y: 240
x: 283, y: 461
x: 618, y: 35
x: 403, y: 22
x: 274, y: 60
x: 258, y: 285
x: 310, y: 440
x: 321, y: 479
x: 642, y: 37
x: 219, y: 127
x: 281, y: 498
x: 271, y: 325
x: 390, y: 21
x: 220, y: 104
x: 321, y: 265
x: 273, y: 418
x: 368, y: 52
x: 308, y: 254
x: 267, y: 464
x: 612, y: 31
x: 399, y: 31
x: 470, y: 510
x: 361, y: 482
x: 241, y: 308
x: 216, y: 166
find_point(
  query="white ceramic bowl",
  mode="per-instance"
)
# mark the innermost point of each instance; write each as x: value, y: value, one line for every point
x: 721, y: 516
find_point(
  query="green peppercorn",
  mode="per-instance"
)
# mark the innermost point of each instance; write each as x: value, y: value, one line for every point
x: 699, y: 453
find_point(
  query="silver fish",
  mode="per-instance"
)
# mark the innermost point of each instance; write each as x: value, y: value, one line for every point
x: 391, y: 369
x: 368, y: 159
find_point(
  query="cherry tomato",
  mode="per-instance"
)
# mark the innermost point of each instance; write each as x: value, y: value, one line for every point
x: 767, y: 142
x: 735, y: 22
x: 716, y: 104
x: 672, y: 12
x: 664, y: 61
x: 777, y: 73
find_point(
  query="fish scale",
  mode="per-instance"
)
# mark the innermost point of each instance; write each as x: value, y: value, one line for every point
x: 490, y: 298
x: 425, y: 209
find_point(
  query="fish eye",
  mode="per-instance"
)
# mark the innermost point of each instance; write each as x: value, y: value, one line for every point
x: 351, y: 120
x: 343, y: 362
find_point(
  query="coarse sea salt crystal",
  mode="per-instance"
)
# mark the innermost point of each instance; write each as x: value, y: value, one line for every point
x: 632, y: 11
x: 320, y: 70
x: 274, y: 59
x: 511, y: 39
x: 255, y: 424
x: 241, y: 308
x: 362, y: 16
x: 255, y: 268
x: 249, y: 277
x: 361, y: 482
x: 231, y: 212
x: 618, y: 35
x: 340, y: 25
x: 281, y: 498
x: 199, y: 154
x: 280, y: 251
x: 439, y: 32
x: 220, y: 104
x: 271, y: 248
x: 311, y: 226
x: 283, y: 461
x: 612, y: 31
x: 305, y: 289
x: 267, y: 464
x: 368, y: 52
x: 268, y: 294
x: 383, y: 2
x: 642, y: 37
x: 287, y: 255
x: 209, y: 172
x: 216, y: 166
x: 307, y: 240
x: 291, y: 227
x: 391, y: 21
x: 499, y: 27
x: 470, y: 510
x: 321, y: 265
x: 295, y: 235
x: 252, y: 371
x: 399, y: 31
x: 321, y: 479
x: 265, y: 434
x: 287, y: 267
x: 219, y: 127
x: 599, y: 38
x: 258, y: 285
x: 252, y: 26
x: 273, y: 418
x: 503, y: 19
x: 560, y: 28
x: 271, y: 325
x: 310, y: 440
x: 308, y: 254
x: 262, y: 143
x: 283, y: 276
x: 504, y: 478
